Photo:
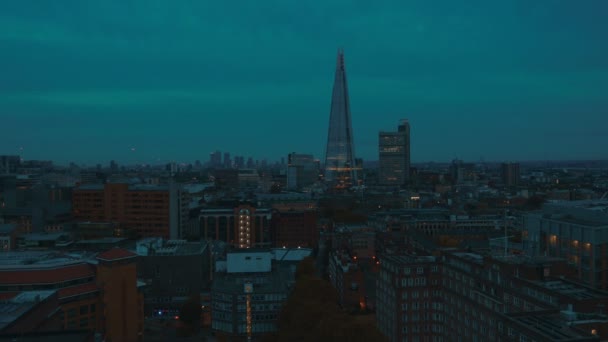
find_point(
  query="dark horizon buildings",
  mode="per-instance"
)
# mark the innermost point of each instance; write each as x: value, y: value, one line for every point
x: 510, y: 174
x: 340, y: 165
x: 394, y: 155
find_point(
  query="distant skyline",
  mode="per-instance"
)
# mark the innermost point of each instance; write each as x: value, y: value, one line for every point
x: 88, y: 81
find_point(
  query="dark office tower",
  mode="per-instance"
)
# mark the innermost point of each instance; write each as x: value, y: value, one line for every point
x: 9, y: 164
x: 394, y: 150
x: 239, y: 162
x: 227, y: 161
x: 215, y: 159
x: 340, y: 168
x: 510, y: 174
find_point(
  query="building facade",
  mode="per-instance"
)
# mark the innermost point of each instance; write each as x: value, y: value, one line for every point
x: 302, y: 171
x: 465, y: 296
x: 173, y: 270
x: 243, y: 226
x: 294, y: 226
x: 576, y: 231
x: 394, y: 156
x: 147, y: 210
x: 98, y: 293
x: 248, y: 292
x: 510, y: 174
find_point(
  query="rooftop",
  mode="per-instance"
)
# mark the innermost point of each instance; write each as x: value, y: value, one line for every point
x: 77, y: 290
x: 158, y: 247
x: 277, y: 281
x: 551, y: 325
x: 46, y: 236
x: 47, y: 275
x: 63, y: 336
x: 408, y: 259
x: 598, y: 204
x: 40, y: 259
x: 116, y: 254
x: 572, y: 290
x: 7, y: 228
x: 13, y: 308
x: 476, y: 258
x: 291, y: 254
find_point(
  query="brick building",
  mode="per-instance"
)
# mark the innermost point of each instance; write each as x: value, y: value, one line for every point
x: 347, y: 278
x: 576, y: 231
x: 294, y: 225
x: 173, y: 270
x: 92, y: 291
x: 242, y: 226
x: 464, y: 296
x: 148, y: 210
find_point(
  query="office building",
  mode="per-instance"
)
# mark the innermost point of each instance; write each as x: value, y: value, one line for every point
x: 294, y: 225
x: 576, y: 231
x: 215, y: 159
x: 510, y: 174
x: 173, y: 270
x: 346, y: 277
x: 9, y: 164
x: 341, y: 172
x: 394, y: 156
x: 249, y: 289
x: 243, y: 226
x: 147, y: 210
x: 465, y: 296
x: 302, y: 171
x: 95, y: 292
x: 121, y: 299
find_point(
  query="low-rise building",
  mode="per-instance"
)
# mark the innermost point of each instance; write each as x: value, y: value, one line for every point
x: 96, y: 292
x: 347, y: 278
x: 576, y: 231
x: 173, y: 270
x: 249, y: 290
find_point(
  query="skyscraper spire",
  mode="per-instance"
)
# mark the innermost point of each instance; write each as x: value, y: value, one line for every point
x: 340, y: 168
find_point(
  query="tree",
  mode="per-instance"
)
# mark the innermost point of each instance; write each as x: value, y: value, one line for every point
x: 190, y: 313
x: 312, y: 313
x: 306, y: 267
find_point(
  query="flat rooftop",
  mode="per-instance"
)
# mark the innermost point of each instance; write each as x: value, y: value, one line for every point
x: 572, y: 290
x: 40, y: 259
x: 551, y: 325
x: 476, y: 258
x: 408, y: 259
x: 12, y: 309
x: 598, y: 204
x: 276, y: 281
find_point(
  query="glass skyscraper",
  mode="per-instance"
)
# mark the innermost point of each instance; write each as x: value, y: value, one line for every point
x: 340, y: 167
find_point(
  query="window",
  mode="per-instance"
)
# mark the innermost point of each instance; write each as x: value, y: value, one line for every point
x: 84, y: 322
x: 84, y: 309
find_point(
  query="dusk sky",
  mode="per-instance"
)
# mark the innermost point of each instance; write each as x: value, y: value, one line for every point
x: 87, y: 81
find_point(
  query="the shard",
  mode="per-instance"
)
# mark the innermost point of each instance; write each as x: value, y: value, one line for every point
x: 340, y: 167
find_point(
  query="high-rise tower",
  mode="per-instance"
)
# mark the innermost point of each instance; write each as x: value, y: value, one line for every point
x: 340, y: 167
x: 394, y: 153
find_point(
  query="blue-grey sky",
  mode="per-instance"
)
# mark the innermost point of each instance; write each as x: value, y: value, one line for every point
x: 87, y: 81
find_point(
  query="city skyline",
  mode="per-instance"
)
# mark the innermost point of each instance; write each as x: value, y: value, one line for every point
x: 141, y: 82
